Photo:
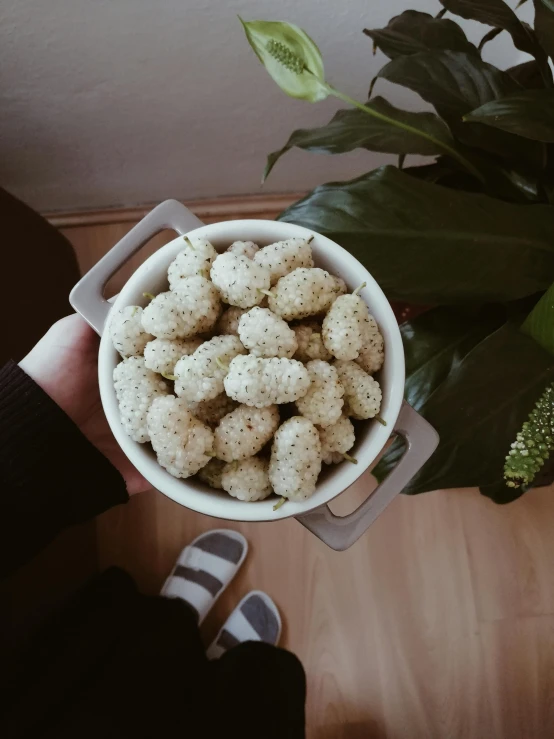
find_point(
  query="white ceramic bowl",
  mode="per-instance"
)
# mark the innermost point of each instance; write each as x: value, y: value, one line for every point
x: 151, y: 277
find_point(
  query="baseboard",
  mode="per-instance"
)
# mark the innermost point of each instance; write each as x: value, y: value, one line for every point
x: 210, y: 211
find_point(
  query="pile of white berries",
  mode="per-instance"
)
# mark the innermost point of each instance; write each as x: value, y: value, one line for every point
x: 248, y: 370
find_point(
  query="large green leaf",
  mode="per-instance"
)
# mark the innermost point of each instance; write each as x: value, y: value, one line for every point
x: 529, y: 113
x: 498, y: 14
x: 478, y: 410
x: 443, y: 171
x: 453, y: 81
x: 457, y: 83
x: 507, y: 180
x: 428, y: 244
x: 527, y: 74
x: 540, y: 322
x: 419, y: 133
x: 507, y: 184
x: 544, y: 25
x: 412, y: 31
x: 436, y: 342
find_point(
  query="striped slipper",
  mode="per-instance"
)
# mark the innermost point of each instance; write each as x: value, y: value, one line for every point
x: 256, y: 618
x: 205, y: 568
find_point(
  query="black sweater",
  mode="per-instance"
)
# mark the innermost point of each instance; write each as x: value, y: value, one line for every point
x: 113, y: 663
x: 51, y: 476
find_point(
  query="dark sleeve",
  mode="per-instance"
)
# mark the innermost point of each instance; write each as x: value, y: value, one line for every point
x: 51, y: 476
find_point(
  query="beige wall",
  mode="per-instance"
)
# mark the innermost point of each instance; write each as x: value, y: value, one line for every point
x: 107, y: 102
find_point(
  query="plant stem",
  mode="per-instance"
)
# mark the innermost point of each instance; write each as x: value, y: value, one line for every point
x: 350, y: 459
x: 448, y: 149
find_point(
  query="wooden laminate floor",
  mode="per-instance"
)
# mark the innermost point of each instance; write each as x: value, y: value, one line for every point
x: 437, y: 624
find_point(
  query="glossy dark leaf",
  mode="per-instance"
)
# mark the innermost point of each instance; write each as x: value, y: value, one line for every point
x: 456, y: 83
x: 527, y: 74
x: 544, y: 25
x: 418, y: 133
x: 478, y: 410
x: 428, y: 244
x: 539, y: 324
x: 548, y: 188
x: 444, y: 172
x: 504, y: 180
x: 497, y: 13
x: 453, y: 81
x: 435, y: 344
x: 529, y: 186
x: 412, y: 31
x: 507, y: 184
x: 507, y: 148
x: 529, y: 113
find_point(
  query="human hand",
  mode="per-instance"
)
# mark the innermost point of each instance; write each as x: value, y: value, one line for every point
x: 65, y: 365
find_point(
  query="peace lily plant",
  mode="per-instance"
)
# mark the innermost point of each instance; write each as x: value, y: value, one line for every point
x: 470, y: 235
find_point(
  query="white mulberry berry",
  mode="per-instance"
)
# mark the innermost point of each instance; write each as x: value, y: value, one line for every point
x: 344, y: 326
x: 243, y: 249
x: 199, y: 301
x: 162, y: 317
x: 161, y: 355
x: 337, y: 440
x: 191, y: 308
x: 247, y: 480
x: 211, y: 473
x: 126, y: 331
x: 135, y: 388
x: 244, y: 432
x: 323, y: 402
x: 285, y: 256
x: 261, y: 382
x: 212, y: 411
x: 228, y: 322
x: 182, y: 444
x: 239, y: 280
x: 295, y: 459
x: 372, y: 353
x: 266, y: 335
x: 200, y: 376
x: 310, y: 343
x: 195, y: 259
x: 304, y: 292
x: 361, y: 392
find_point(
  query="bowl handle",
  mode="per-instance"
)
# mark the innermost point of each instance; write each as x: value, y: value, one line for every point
x: 340, y: 532
x: 87, y: 297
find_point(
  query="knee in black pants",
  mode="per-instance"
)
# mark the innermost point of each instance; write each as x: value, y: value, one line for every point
x: 262, y: 689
